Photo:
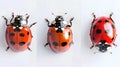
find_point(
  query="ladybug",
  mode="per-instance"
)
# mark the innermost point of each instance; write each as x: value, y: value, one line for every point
x: 103, y: 33
x: 18, y: 34
x: 59, y: 36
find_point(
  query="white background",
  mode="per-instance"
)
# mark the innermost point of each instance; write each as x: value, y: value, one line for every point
x: 79, y: 54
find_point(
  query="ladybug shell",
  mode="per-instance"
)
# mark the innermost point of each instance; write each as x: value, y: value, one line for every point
x: 103, y: 28
x: 59, y: 41
x: 18, y: 41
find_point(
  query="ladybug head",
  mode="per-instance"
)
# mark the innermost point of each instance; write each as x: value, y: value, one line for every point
x: 18, y: 21
x: 58, y: 21
x: 103, y: 47
x: 59, y: 18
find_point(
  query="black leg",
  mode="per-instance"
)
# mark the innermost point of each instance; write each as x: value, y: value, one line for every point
x: 12, y: 17
x: 47, y: 22
x: 45, y: 44
x: 71, y: 21
x: 7, y: 48
x: 29, y: 49
x: 114, y: 44
x: 94, y: 17
x: 91, y: 46
x: 5, y: 20
x: 32, y: 25
x: 110, y: 16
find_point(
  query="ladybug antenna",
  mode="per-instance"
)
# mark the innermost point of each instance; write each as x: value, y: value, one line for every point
x: 111, y: 14
x: 65, y: 13
x: 53, y: 14
x: 94, y: 15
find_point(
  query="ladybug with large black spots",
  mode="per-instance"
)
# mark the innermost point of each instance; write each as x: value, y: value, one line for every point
x: 103, y: 32
x: 18, y: 34
x: 59, y: 35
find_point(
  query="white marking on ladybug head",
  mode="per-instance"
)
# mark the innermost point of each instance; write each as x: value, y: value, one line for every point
x: 20, y: 27
x: 56, y: 28
x: 18, y: 18
x: 64, y: 23
x: 14, y: 27
x: 62, y: 28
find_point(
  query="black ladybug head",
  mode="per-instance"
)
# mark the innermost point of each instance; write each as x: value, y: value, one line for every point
x: 59, y: 18
x: 58, y: 21
x: 18, y: 21
x: 103, y: 47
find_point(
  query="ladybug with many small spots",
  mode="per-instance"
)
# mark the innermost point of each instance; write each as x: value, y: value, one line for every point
x: 59, y: 35
x: 18, y: 34
x: 103, y: 32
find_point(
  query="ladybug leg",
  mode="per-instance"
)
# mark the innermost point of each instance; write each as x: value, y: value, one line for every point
x: 27, y: 18
x: 12, y: 17
x: 32, y: 25
x: 111, y: 16
x: 91, y: 46
x: 114, y: 44
x: 94, y: 17
x: 47, y: 22
x: 71, y: 21
x: 7, y: 48
x: 45, y: 44
x: 5, y: 20
x: 29, y: 49
x: 72, y: 42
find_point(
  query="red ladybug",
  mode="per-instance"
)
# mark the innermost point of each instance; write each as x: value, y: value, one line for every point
x: 102, y: 32
x: 18, y: 34
x: 59, y: 35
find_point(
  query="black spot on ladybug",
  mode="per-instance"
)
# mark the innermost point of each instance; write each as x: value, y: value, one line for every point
x: 12, y: 43
x: 69, y: 33
x: 55, y: 43
x: 28, y: 33
x: 12, y: 34
x: 99, y: 21
x: 21, y: 43
x: 94, y: 26
x: 113, y: 26
x: 98, y: 31
x: 21, y: 34
x: 64, y: 44
x: 106, y: 21
x: 113, y: 38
